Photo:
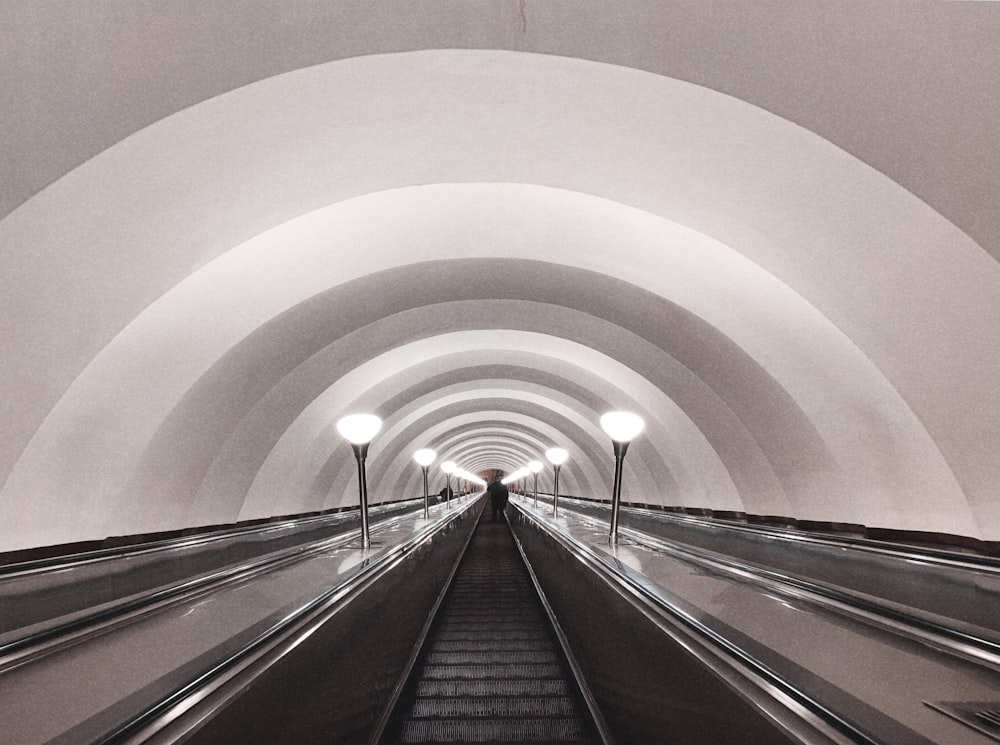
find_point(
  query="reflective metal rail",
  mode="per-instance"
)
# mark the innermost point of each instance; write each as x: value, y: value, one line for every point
x: 36, y: 594
x: 729, y: 660
x: 170, y: 678
x: 23, y: 649
x: 934, y: 584
x: 167, y: 720
x: 959, y: 642
x: 494, y: 665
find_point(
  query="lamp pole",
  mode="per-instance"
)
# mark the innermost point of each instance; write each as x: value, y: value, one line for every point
x: 424, y: 457
x: 427, y: 509
x: 359, y: 429
x: 621, y: 427
x: 360, y: 453
x: 535, y: 466
x: 616, y: 491
x: 449, y: 468
x: 555, y: 490
x: 556, y: 456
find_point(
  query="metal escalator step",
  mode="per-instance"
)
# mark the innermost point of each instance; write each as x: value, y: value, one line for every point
x: 492, y: 730
x: 489, y: 645
x: 478, y: 672
x: 484, y: 609
x: 475, y: 635
x: 477, y: 657
x: 506, y: 628
x: 448, y: 630
x: 450, y: 708
x: 492, y: 602
x: 492, y: 612
x: 496, y: 687
x: 486, y: 620
x: 492, y: 671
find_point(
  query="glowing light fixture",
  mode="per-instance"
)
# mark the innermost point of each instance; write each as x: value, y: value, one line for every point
x: 359, y: 429
x: 556, y: 456
x: 535, y: 466
x: 424, y: 457
x: 517, y: 475
x: 621, y: 427
x: 448, y: 467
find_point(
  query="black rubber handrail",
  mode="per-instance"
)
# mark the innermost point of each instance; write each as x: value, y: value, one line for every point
x: 950, y: 638
x: 288, y: 624
x: 593, y: 708
x: 17, y: 650
x: 664, y: 608
x: 61, y: 563
x: 378, y: 732
x: 934, y: 556
x: 964, y: 644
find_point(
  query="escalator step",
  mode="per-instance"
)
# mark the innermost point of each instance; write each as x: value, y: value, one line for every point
x: 485, y: 646
x: 493, y: 730
x: 492, y: 671
x: 479, y: 672
x: 496, y: 687
x: 450, y: 708
x: 506, y: 628
x: 477, y: 657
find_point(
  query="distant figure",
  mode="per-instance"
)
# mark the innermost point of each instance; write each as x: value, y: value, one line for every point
x: 445, y: 494
x: 498, y: 497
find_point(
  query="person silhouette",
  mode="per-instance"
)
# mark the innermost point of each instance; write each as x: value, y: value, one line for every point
x: 498, y: 497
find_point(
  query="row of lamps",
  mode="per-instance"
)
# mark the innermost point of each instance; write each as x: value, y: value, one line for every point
x: 621, y: 426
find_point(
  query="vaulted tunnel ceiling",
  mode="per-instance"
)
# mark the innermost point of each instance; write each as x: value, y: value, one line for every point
x: 489, y: 246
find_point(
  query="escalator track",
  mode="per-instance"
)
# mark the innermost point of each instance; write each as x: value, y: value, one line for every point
x: 492, y: 669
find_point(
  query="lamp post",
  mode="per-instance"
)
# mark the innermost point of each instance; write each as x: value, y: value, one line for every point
x: 556, y: 456
x: 621, y: 427
x: 535, y: 466
x: 359, y: 429
x: 424, y: 457
x: 448, y: 467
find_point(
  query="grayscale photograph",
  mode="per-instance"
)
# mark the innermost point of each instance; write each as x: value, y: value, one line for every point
x: 591, y: 372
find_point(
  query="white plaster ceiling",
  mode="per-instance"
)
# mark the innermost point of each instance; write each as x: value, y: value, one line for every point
x: 489, y: 247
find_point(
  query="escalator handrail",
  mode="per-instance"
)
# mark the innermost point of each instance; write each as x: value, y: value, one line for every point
x: 292, y: 627
x: 594, y: 709
x: 965, y: 644
x: 932, y: 556
x: 667, y: 615
x: 962, y: 643
x: 378, y: 732
x: 68, y: 561
x: 17, y: 650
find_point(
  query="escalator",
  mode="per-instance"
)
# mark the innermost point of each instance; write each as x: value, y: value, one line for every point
x: 491, y: 669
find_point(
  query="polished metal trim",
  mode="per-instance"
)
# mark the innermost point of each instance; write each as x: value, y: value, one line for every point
x: 418, y: 647
x: 982, y: 716
x: 738, y: 668
x: 933, y: 556
x: 84, y: 625
x: 69, y: 561
x: 603, y: 731
x: 182, y: 711
x: 906, y: 622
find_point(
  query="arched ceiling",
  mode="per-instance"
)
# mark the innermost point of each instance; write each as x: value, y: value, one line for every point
x: 489, y: 247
